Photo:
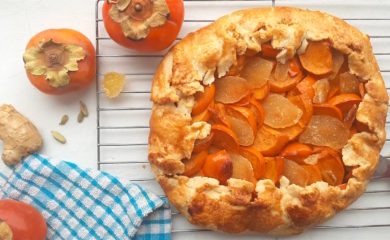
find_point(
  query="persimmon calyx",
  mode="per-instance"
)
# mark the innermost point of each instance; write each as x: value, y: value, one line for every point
x: 136, y: 17
x: 5, y: 231
x: 54, y: 60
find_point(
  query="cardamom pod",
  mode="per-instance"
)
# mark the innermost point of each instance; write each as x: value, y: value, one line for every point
x: 80, y: 117
x: 64, y: 119
x: 83, y: 109
x: 59, y: 137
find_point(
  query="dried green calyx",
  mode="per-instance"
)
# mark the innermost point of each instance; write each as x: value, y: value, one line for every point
x: 53, y: 60
x: 136, y: 17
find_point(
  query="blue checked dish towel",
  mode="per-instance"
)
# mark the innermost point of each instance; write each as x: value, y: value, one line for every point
x: 86, y: 204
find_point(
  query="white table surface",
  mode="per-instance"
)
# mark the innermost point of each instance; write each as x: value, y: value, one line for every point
x: 27, y: 17
x: 21, y: 20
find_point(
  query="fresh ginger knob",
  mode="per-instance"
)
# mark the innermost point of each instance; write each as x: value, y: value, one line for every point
x: 19, y: 135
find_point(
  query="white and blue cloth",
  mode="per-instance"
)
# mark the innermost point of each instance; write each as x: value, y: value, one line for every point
x: 86, y: 204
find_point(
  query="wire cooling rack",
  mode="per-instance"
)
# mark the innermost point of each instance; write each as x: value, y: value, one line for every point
x: 122, y: 124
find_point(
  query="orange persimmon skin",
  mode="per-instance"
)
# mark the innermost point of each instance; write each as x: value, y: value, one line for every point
x: 268, y: 51
x: 195, y: 163
x: 218, y: 165
x: 203, y: 99
x: 159, y: 38
x: 306, y: 86
x: 296, y: 152
x: 86, y: 67
x: 327, y: 109
x: 345, y: 101
x: 256, y: 159
x: 24, y: 220
x: 273, y: 168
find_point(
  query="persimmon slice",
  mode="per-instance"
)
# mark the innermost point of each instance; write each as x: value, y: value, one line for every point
x: 306, y: 86
x: 231, y: 89
x: 235, y: 69
x: 203, y: 144
x: 261, y: 93
x: 195, y: 163
x: 333, y: 92
x: 327, y: 109
x: 349, y: 83
x: 318, y: 58
x: 273, y: 168
x: 280, y: 112
x: 218, y: 114
x: 244, y: 101
x: 269, y: 142
x: 268, y: 51
x: 224, y: 137
x: 321, y: 89
x: 295, y: 173
x: 218, y: 165
x: 286, y: 76
x: 243, y: 113
x: 332, y: 170
x: 202, y: 117
x: 203, y: 99
x: 258, y: 111
x: 314, y: 173
x: 242, y: 168
x: 296, y: 152
x: 325, y: 131
x: 257, y: 71
x: 304, y: 103
x: 345, y: 101
x: 350, y: 117
x: 256, y: 159
x: 243, y: 130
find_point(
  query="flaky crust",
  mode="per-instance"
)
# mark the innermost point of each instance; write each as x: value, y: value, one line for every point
x: 211, y: 51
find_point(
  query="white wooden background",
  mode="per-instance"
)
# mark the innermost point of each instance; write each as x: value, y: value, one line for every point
x: 123, y: 122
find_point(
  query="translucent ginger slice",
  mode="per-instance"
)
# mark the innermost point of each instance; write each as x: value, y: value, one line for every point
x: 338, y: 60
x: 349, y: 83
x: 295, y: 173
x: 242, y: 168
x: 286, y: 76
x: 327, y: 131
x: 321, y: 89
x: 113, y: 84
x: 231, y: 89
x: 243, y: 130
x: 280, y: 112
x: 257, y: 71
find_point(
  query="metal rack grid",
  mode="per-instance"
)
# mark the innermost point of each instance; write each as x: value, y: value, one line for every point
x: 127, y: 156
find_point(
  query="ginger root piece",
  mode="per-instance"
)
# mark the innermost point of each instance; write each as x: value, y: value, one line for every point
x: 5, y: 232
x: 19, y: 135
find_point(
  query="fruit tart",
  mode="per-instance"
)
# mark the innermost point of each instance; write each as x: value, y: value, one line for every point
x: 268, y: 120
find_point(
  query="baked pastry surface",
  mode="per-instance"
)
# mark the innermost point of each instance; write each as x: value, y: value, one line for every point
x: 209, y: 53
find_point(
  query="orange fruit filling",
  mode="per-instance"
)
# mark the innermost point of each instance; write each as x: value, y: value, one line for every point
x: 271, y: 119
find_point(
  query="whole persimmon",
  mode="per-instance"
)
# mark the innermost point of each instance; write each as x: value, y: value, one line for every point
x: 59, y: 61
x: 21, y: 221
x: 143, y: 25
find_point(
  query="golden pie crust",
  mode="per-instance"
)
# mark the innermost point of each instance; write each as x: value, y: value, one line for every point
x: 211, y: 51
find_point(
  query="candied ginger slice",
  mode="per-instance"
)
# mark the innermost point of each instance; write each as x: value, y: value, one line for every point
x: 243, y: 130
x: 327, y: 131
x: 280, y: 112
x: 113, y: 84
x: 231, y: 89
x: 321, y: 89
